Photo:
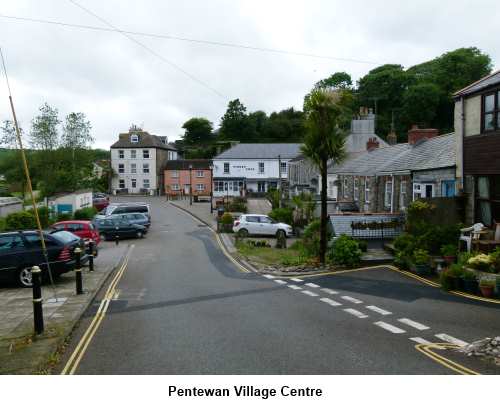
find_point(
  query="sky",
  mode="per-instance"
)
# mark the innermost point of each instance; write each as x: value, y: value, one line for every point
x: 116, y: 81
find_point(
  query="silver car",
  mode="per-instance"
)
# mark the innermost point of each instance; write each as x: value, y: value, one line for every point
x: 133, y: 218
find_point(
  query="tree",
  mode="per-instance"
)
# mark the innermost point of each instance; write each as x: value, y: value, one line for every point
x: 44, y: 134
x: 337, y: 81
x: 197, y: 131
x: 235, y: 124
x: 421, y: 104
x: 8, y: 137
x: 326, y: 116
x: 76, y: 132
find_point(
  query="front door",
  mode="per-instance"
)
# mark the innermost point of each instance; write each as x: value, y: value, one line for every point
x: 186, y: 189
x: 261, y: 186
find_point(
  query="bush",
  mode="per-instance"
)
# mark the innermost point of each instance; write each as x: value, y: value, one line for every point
x: 310, y: 238
x: 421, y: 257
x: 449, y: 250
x: 446, y: 281
x: 43, y: 214
x: 227, y: 219
x: 85, y: 213
x: 363, y: 245
x: 20, y: 220
x: 63, y: 217
x: 258, y: 243
x: 282, y: 215
x: 345, y: 251
x: 2, y: 224
x: 237, y: 206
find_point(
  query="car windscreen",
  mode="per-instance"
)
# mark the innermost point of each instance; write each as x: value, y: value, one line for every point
x: 65, y: 237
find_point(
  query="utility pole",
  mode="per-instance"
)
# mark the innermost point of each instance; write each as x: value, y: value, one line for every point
x: 190, y: 185
x: 279, y: 181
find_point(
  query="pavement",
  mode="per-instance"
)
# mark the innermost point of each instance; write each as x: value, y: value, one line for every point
x: 259, y: 206
x: 181, y: 306
x: 23, y: 353
x: 201, y: 210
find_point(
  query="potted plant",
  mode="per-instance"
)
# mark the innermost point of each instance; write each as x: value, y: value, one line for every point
x: 481, y: 262
x: 449, y: 253
x: 487, y: 286
x: 455, y: 273
x: 469, y: 282
x: 421, y: 262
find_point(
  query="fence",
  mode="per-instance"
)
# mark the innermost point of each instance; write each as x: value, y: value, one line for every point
x: 384, y: 229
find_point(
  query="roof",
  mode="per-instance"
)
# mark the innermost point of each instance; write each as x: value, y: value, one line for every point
x: 63, y: 194
x: 261, y: 151
x: 184, y: 164
x: 490, y: 80
x: 434, y: 153
x: 9, y: 200
x: 146, y: 140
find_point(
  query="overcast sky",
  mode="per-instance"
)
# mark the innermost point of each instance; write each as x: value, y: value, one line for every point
x: 116, y: 82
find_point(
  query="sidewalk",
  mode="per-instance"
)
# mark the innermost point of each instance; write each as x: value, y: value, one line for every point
x: 23, y: 353
x: 201, y: 210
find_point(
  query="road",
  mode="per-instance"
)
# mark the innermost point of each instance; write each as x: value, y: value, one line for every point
x: 181, y: 307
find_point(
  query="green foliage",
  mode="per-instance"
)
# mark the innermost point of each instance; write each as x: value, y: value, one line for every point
x: 363, y: 245
x: 44, y: 133
x: 20, y: 221
x: 85, y: 213
x: 304, y: 207
x: 455, y: 271
x: 284, y: 215
x: 238, y: 205
x: 486, y: 282
x: 345, y: 251
x: 44, y: 215
x: 197, y: 131
x: 2, y: 224
x: 273, y: 195
x: 258, y: 243
x: 446, y: 281
x: 449, y: 250
x: 420, y: 257
x: 463, y: 258
x: 63, y: 217
x: 311, y: 238
x: 420, y: 104
x: 227, y: 219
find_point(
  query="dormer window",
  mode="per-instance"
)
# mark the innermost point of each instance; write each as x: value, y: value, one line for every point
x: 134, y: 138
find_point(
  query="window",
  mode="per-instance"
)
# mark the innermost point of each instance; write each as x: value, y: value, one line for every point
x: 145, y: 168
x: 226, y: 168
x: 344, y: 188
x: 34, y: 239
x: 488, y: 199
x: 145, y: 183
x: 218, y: 186
x: 423, y: 190
x: 265, y: 220
x: 402, y: 194
x: 200, y: 187
x: 121, y: 168
x: 491, y: 112
x: 388, y: 194
x: 331, y: 186
x: 133, y: 168
x: 261, y: 167
x: 367, y: 191
x: 121, y: 154
x: 175, y: 187
x: 9, y: 242
x: 249, y: 218
x: 283, y: 168
x: 145, y: 153
x: 200, y: 173
x: 356, y: 189
x: 75, y: 227
x: 448, y: 188
x: 134, y: 183
x: 134, y: 138
x: 133, y: 154
x: 174, y: 174
x: 121, y: 183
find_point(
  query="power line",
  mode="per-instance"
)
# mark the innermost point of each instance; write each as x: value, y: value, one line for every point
x: 175, y: 66
x: 192, y: 40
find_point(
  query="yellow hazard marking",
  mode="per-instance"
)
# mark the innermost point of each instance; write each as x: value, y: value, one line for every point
x: 428, y: 350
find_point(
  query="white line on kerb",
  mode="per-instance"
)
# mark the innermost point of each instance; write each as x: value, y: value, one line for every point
x: 356, y: 313
x: 297, y: 280
x: 328, y: 291
x: 330, y: 302
x: 312, y: 285
x: 310, y: 293
x: 389, y: 327
x: 413, y: 324
x: 451, y: 339
x: 294, y: 287
x: 269, y: 276
x: 280, y: 281
x: 420, y: 340
x: 351, y: 299
x: 378, y: 310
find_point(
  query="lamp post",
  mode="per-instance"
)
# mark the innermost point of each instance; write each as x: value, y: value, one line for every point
x: 190, y: 185
x: 211, y: 188
x: 279, y: 181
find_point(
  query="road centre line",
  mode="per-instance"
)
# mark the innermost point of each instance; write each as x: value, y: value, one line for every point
x: 330, y: 302
x: 329, y: 291
x: 381, y: 311
x: 294, y: 287
x: 269, y: 276
x: 351, y: 299
x: 413, y: 324
x: 310, y: 293
x: 451, y: 339
x: 312, y: 285
x: 356, y: 313
x: 420, y: 340
x: 389, y: 327
x: 297, y: 280
x: 280, y: 281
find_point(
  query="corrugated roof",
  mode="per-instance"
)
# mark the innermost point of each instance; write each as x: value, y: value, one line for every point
x: 261, y: 151
x: 490, y: 80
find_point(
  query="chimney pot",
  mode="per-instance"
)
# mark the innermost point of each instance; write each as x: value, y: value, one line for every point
x: 372, y: 143
x: 416, y: 134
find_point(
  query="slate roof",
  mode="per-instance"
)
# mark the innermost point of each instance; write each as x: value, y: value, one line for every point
x: 434, y: 153
x: 483, y: 83
x: 261, y: 151
x: 184, y: 164
x: 146, y: 140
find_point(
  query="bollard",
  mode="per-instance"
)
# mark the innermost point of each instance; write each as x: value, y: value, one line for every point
x: 91, y: 255
x: 36, y: 275
x: 117, y: 240
x: 78, y: 271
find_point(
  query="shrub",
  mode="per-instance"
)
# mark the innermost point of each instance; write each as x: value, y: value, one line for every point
x: 446, y: 281
x: 2, y: 224
x: 43, y: 214
x: 495, y: 260
x: 420, y: 257
x: 481, y: 262
x: 273, y: 196
x: 20, y: 220
x: 405, y: 244
x: 227, y: 219
x: 258, y: 243
x: 456, y: 271
x: 63, y: 217
x: 363, y: 245
x: 449, y: 250
x: 345, y: 251
x: 282, y: 215
x: 310, y: 238
x: 85, y: 213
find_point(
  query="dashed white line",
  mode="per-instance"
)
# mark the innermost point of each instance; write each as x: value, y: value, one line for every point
x: 356, y: 313
x: 310, y: 293
x: 413, y: 324
x: 420, y: 340
x: 329, y: 291
x: 389, y: 327
x: 280, y: 281
x: 351, y: 299
x: 297, y: 280
x: 451, y: 339
x: 312, y: 285
x: 381, y: 311
x: 330, y: 302
x: 294, y: 287
x: 269, y: 276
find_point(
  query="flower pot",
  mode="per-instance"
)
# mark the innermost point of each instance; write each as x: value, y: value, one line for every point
x: 470, y: 285
x: 455, y: 283
x: 487, y: 290
x: 422, y: 269
x: 449, y: 259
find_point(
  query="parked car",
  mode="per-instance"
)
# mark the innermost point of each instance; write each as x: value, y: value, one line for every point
x: 260, y: 225
x: 125, y: 208
x: 111, y: 228
x: 21, y: 250
x: 99, y: 203
x: 133, y: 218
x: 83, y: 229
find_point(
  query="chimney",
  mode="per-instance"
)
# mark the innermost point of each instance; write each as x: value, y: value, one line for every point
x: 372, y: 144
x: 416, y: 134
x: 392, y: 138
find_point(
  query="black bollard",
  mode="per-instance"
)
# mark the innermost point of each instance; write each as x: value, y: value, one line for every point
x: 117, y: 240
x: 91, y: 255
x: 78, y: 271
x: 36, y: 275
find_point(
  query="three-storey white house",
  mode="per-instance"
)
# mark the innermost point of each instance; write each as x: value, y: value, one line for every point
x: 252, y: 168
x: 138, y: 160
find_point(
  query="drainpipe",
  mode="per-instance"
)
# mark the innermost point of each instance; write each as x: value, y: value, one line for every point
x: 462, y: 138
x: 392, y: 193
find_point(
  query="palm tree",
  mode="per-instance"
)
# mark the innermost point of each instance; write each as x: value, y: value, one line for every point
x: 324, y: 141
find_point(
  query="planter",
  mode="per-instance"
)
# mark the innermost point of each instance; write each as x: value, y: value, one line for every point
x: 470, y: 285
x: 455, y: 283
x: 449, y: 259
x: 422, y: 269
x: 487, y: 290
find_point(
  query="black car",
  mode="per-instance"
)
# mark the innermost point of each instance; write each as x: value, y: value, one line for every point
x: 21, y: 250
x: 112, y: 228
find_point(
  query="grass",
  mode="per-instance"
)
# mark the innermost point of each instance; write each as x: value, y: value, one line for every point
x: 272, y: 256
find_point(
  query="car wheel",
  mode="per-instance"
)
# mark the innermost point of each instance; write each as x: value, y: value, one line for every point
x: 139, y: 234
x: 281, y: 233
x: 243, y: 233
x: 25, y: 278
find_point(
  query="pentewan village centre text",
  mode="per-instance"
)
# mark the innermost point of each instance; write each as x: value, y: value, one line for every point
x: 244, y: 391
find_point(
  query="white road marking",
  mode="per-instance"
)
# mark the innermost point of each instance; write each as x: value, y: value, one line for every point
x: 389, y: 327
x: 451, y: 339
x: 280, y: 281
x: 378, y: 310
x: 297, y: 280
x: 269, y: 276
x: 413, y: 324
x: 294, y: 287
x: 356, y: 313
x: 351, y: 299
x: 328, y: 291
x: 420, y: 340
x: 312, y: 285
x: 330, y: 302
x: 310, y: 293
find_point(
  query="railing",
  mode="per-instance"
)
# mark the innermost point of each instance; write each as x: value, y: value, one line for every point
x: 377, y: 229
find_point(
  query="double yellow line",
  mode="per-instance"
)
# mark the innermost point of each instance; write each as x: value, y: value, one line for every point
x: 427, y: 350
x: 84, y: 342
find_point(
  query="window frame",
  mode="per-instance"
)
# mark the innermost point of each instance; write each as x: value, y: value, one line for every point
x: 367, y: 191
x: 121, y: 168
x: 133, y: 154
x: 492, y: 199
x: 496, y: 111
x: 146, y: 152
x: 134, y: 138
x: 345, y: 185
x: 262, y: 167
x: 144, y: 181
x: 133, y: 183
x: 200, y: 187
x: 200, y: 173
x: 120, y: 181
x: 355, y: 188
x: 388, y: 193
x: 121, y: 154
x: 145, y: 168
x: 226, y: 164
x: 133, y: 168
x: 283, y: 168
x: 403, y: 184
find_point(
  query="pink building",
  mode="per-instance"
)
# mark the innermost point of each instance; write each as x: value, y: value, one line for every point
x: 180, y: 175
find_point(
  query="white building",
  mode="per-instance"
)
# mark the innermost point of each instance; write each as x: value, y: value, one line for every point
x: 138, y: 160
x: 252, y: 168
x: 68, y: 203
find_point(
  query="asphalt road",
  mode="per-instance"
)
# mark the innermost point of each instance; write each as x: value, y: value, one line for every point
x: 182, y: 307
